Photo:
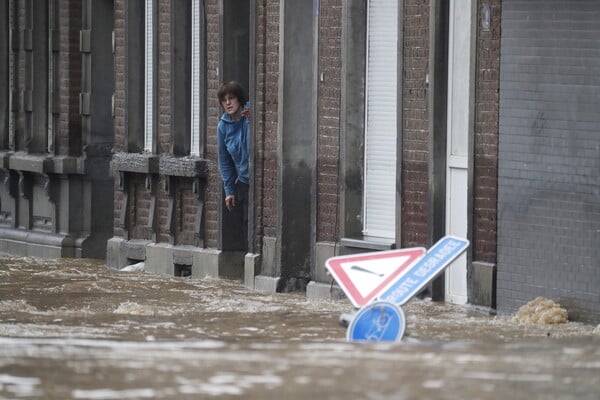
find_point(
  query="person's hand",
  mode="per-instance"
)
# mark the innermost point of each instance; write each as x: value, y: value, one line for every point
x: 246, y: 113
x: 230, y: 202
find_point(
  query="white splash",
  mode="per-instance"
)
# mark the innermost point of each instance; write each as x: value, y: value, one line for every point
x: 137, y: 267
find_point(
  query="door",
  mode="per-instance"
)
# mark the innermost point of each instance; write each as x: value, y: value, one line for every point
x: 461, y: 66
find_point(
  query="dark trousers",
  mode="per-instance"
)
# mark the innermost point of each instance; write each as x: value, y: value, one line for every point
x: 241, y: 200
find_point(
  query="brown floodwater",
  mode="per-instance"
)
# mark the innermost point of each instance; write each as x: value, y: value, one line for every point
x: 75, y: 329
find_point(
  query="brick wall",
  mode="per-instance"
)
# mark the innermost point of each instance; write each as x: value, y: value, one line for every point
x: 416, y: 131
x: 67, y: 65
x: 139, y: 195
x: 162, y: 206
x: 164, y: 77
x: 120, y: 104
x: 68, y: 139
x: 19, y: 60
x: 257, y: 121
x: 185, y: 203
x: 184, y: 223
x: 164, y: 134
x: 214, y: 112
x: 138, y: 212
x: 271, y: 88
x: 485, y: 185
x: 120, y: 81
x: 118, y: 231
x: 328, y: 124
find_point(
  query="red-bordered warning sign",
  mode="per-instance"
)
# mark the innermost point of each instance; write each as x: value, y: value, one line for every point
x: 363, y: 276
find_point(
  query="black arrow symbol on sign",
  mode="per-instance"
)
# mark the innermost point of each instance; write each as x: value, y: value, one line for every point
x: 358, y: 268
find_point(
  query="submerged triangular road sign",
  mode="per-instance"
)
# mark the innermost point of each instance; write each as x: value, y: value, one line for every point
x: 363, y: 276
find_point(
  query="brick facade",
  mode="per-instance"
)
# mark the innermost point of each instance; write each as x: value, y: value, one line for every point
x: 415, y: 131
x: 270, y: 89
x: 213, y: 192
x: 69, y: 77
x: 485, y: 185
x: 55, y: 173
x: 154, y: 194
x: 328, y: 124
x: 120, y: 78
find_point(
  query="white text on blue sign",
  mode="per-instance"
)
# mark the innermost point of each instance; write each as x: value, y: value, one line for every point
x: 437, y: 258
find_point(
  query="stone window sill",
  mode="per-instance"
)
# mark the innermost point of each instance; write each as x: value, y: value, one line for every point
x: 369, y: 243
x: 41, y: 163
x: 169, y: 165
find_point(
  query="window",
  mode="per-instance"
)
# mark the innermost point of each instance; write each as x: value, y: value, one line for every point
x: 53, y: 75
x: 198, y: 74
x: 189, y: 77
x: 36, y: 77
x: 381, y: 119
x: 149, y: 77
x: 135, y: 117
x: 181, y: 66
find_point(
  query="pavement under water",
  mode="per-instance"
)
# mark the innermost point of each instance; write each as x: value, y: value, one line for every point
x: 75, y: 329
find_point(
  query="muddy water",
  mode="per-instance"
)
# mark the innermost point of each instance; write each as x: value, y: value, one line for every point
x: 74, y: 329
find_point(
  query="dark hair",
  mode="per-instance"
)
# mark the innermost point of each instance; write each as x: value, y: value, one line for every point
x: 232, y: 88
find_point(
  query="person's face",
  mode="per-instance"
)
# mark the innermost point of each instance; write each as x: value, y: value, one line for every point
x: 231, y: 105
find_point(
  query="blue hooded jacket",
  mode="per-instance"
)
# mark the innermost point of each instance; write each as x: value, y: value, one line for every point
x: 233, y: 151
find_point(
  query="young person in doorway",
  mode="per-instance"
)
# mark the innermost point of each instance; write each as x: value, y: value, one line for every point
x: 233, y: 143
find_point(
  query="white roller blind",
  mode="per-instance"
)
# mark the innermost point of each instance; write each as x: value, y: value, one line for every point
x: 195, y: 92
x: 381, y: 129
x: 149, y: 77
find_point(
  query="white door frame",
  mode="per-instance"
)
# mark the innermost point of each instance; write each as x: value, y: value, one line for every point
x: 461, y: 100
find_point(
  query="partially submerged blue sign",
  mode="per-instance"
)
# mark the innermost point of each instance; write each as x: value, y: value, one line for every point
x: 427, y: 268
x: 380, y: 321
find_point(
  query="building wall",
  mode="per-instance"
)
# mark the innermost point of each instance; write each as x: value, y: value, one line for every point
x: 548, y: 185
x: 159, y: 199
x: 265, y: 128
x: 170, y: 206
x: 173, y: 201
x: 56, y: 139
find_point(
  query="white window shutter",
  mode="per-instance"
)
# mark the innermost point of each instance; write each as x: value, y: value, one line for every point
x: 149, y: 78
x: 195, y: 92
x: 381, y: 128
x: 381, y: 110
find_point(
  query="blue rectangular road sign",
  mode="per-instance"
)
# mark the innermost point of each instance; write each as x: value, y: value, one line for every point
x: 438, y: 257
